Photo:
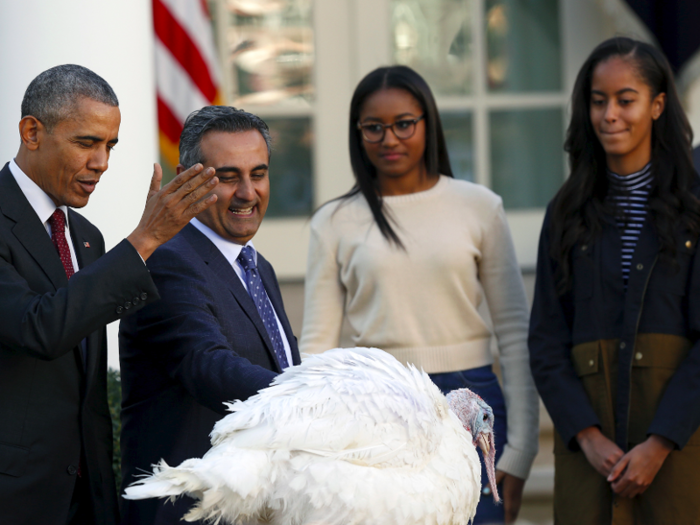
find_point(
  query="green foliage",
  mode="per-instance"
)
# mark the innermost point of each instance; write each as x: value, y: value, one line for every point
x: 114, y: 398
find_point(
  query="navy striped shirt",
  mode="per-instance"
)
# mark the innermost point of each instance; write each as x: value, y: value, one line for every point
x: 630, y: 194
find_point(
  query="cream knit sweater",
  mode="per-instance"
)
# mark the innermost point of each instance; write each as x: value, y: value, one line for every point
x: 420, y: 305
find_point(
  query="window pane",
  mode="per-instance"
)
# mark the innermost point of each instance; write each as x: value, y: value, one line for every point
x: 524, y: 48
x: 434, y: 38
x: 270, y: 50
x: 527, y: 162
x: 457, y: 126
x: 291, y: 189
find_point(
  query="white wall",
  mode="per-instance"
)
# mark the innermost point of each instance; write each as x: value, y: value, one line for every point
x: 114, y: 39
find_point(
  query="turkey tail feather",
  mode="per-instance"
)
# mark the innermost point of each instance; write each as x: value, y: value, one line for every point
x: 165, y: 481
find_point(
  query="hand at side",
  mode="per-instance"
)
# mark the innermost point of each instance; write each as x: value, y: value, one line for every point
x: 169, y: 209
x: 512, y: 494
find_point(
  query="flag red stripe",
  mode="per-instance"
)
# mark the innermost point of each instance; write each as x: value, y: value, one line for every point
x: 205, y: 8
x: 168, y: 123
x: 183, y: 49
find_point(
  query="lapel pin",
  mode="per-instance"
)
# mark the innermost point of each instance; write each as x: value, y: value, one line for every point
x: 86, y: 244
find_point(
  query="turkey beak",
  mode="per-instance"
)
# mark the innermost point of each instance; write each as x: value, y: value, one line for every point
x: 484, y: 444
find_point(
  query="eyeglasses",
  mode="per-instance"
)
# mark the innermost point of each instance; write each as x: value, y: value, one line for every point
x: 374, y: 132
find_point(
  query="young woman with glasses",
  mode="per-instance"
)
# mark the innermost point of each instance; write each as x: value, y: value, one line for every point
x: 614, y: 336
x: 406, y: 258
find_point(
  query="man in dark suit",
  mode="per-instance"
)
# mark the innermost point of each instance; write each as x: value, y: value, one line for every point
x: 219, y: 331
x: 58, y: 290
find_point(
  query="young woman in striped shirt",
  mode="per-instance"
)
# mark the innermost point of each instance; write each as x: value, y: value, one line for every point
x: 615, y: 325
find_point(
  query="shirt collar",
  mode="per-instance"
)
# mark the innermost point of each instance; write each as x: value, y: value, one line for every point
x: 40, y: 202
x: 229, y: 249
x: 633, y: 179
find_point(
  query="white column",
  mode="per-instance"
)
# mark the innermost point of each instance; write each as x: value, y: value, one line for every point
x: 114, y: 39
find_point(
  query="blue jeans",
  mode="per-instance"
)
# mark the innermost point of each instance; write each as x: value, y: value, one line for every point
x: 482, y: 381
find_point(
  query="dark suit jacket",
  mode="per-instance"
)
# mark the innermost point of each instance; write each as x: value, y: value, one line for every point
x: 182, y: 357
x: 49, y: 403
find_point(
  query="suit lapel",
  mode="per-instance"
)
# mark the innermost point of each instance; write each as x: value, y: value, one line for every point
x: 31, y: 233
x: 271, y: 287
x: 223, y: 270
x: 86, y: 251
x: 29, y: 230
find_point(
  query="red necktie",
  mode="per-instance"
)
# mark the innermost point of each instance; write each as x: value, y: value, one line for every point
x: 58, y: 236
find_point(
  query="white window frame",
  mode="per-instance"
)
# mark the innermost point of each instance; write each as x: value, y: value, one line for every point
x: 351, y: 38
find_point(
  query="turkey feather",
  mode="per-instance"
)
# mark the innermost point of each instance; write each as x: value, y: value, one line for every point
x: 349, y: 437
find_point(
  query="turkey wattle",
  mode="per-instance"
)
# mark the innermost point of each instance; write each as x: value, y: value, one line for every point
x: 350, y: 436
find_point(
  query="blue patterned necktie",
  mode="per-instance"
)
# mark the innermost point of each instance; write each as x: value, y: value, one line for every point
x: 257, y: 293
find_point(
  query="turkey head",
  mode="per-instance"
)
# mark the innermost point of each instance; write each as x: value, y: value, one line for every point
x: 477, y: 418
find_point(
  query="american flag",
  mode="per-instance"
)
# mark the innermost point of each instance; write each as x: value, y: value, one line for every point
x: 187, y: 72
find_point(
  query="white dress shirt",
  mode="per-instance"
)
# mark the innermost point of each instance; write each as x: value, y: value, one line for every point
x: 231, y: 250
x: 42, y: 205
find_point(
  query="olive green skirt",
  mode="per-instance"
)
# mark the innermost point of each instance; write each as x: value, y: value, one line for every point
x: 581, y: 495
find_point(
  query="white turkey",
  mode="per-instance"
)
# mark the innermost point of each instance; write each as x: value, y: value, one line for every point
x: 349, y: 437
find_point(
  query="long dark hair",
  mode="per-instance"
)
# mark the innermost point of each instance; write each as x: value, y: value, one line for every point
x: 435, y: 156
x: 579, y: 208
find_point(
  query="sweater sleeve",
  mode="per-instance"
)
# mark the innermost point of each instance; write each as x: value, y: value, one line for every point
x: 500, y: 277
x: 324, y: 294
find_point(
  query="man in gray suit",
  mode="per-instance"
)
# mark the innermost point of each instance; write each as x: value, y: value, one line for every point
x: 219, y: 331
x: 58, y: 292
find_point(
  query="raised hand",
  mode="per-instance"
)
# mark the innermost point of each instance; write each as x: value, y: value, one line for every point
x: 169, y: 209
